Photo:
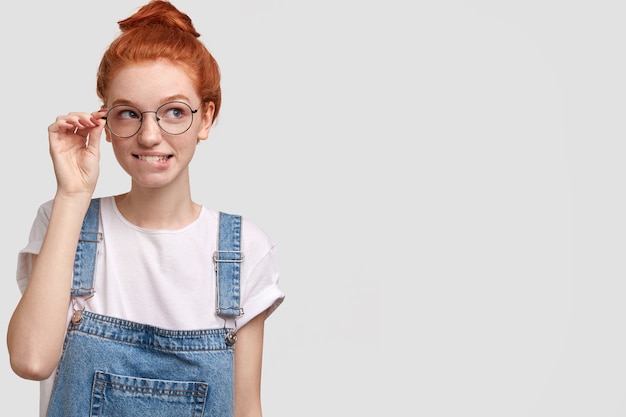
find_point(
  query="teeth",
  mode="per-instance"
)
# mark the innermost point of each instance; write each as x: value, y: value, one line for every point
x: 153, y: 158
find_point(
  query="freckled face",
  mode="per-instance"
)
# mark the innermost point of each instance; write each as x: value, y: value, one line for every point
x: 152, y: 157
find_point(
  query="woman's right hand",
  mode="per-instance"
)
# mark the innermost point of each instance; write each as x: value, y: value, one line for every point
x: 75, y: 150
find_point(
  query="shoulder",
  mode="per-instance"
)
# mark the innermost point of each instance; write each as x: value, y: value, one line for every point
x: 254, y: 239
x: 254, y: 233
x: 258, y: 247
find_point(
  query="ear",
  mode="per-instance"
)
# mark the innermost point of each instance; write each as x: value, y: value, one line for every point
x: 107, y: 134
x: 206, y: 120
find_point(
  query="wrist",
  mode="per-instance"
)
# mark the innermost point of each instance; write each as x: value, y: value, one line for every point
x: 77, y: 201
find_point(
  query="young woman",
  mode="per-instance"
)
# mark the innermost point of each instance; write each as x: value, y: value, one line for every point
x: 143, y: 303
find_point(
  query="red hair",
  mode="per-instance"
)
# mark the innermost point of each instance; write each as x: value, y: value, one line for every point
x: 158, y: 30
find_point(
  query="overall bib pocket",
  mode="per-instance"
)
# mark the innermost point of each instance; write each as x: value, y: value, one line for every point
x: 118, y: 395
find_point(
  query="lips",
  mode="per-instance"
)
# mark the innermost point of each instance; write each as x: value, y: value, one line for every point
x: 153, y: 158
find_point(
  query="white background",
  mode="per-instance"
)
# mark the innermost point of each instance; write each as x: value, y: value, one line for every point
x: 444, y: 180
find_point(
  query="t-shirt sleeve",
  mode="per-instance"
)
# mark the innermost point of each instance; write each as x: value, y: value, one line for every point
x: 260, y: 290
x: 35, y: 239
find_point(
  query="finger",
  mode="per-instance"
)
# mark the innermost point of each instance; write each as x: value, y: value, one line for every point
x: 62, y: 125
x: 75, y: 123
x: 95, y: 133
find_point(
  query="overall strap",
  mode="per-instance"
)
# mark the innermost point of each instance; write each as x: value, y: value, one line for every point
x: 85, y: 259
x: 227, y: 260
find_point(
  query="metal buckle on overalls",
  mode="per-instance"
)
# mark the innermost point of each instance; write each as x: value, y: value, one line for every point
x: 77, y: 315
x: 236, y: 256
x: 231, y: 336
x: 94, y: 237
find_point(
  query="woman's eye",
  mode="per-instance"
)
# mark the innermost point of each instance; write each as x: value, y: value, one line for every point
x: 174, y: 113
x: 128, y: 114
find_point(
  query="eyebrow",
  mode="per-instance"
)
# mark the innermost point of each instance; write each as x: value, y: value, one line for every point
x: 177, y: 97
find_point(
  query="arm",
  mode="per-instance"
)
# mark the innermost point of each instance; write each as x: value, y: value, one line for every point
x: 248, y: 360
x: 37, y: 327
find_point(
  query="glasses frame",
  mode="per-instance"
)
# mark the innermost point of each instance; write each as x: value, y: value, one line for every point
x: 141, y: 113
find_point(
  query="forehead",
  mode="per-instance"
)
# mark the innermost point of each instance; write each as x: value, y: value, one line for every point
x: 151, y: 83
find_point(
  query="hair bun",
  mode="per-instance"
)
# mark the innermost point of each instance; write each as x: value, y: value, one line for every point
x: 159, y: 12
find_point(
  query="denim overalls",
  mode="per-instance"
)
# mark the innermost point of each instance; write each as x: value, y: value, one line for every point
x: 112, y: 367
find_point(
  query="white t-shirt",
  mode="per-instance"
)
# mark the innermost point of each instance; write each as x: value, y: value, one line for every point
x: 164, y: 278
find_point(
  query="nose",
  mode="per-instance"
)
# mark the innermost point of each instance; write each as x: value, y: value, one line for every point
x: 149, y: 132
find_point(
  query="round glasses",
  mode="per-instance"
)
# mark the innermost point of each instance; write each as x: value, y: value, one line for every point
x: 174, y: 118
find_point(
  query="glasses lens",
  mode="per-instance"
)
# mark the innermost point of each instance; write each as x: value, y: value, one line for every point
x: 175, y: 117
x: 123, y: 121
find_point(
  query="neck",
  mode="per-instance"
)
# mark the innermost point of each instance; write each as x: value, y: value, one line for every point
x: 158, y: 208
